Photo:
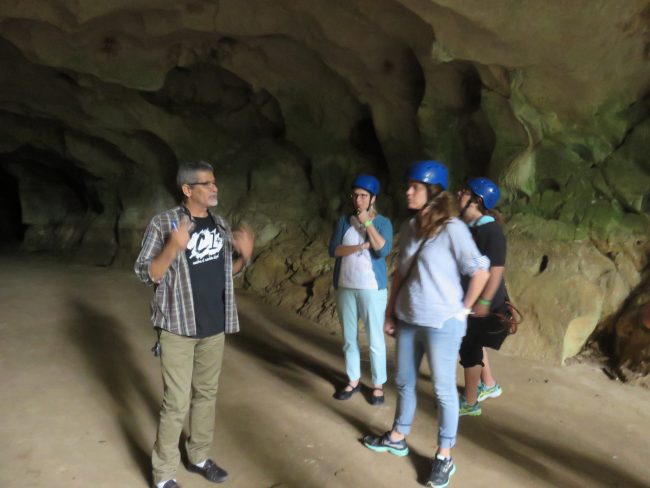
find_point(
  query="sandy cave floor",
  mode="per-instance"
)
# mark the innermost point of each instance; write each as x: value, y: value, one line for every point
x: 80, y: 394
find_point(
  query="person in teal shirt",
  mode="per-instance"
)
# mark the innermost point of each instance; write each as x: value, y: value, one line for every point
x: 360, y: 243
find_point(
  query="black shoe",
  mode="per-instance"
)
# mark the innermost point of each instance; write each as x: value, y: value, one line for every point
x: 377, y: 400
x: 210, y: 471
x: 344, y: 394
x: 441, y: 471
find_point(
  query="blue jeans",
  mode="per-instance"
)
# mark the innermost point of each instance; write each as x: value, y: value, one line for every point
x: 370, y: 306
x: 441, y: 346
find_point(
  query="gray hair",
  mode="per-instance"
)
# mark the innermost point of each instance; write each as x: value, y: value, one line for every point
x: 187, y: 173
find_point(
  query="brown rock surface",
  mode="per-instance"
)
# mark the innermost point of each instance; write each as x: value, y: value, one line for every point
x: 102, y: 100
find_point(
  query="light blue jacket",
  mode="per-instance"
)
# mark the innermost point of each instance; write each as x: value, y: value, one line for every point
x: 378, y: 258
x: 431, y: 293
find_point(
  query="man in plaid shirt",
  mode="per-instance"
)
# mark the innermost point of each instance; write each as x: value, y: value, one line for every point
x: 189, y: 256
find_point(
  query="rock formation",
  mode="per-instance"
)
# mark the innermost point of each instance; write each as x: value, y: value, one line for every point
x: 99, y: 101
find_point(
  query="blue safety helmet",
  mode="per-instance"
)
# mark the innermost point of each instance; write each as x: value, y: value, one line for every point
x: 430, y: 173
x: 368, y: 183
x: 486, y: 189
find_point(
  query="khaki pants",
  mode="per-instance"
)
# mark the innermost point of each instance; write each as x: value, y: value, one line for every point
x: 190, y: 372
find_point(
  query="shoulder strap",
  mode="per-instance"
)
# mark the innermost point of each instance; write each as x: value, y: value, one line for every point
x: 414, y: 260
x: 410, y: 268
x: 417, y: 253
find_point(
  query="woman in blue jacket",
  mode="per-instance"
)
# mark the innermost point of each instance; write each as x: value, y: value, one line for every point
x: 360, y: 243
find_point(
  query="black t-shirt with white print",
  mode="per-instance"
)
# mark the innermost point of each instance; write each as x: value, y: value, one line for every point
x: 205, y: 256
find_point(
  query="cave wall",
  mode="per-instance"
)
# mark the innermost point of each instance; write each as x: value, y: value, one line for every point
x: 100, y: 101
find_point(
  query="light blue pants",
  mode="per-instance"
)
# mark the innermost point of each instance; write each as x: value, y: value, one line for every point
x: 441, y: 346
x: 370, y: 307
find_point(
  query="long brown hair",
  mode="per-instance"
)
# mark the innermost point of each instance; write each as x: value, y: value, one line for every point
x: 431, y: 218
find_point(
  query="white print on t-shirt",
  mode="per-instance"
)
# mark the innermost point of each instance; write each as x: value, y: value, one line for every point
x: 205, y: 245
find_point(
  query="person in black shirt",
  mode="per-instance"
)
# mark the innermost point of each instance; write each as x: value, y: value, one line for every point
x: 484, y: 329
x: 205, y: 258
x: 189, y: 254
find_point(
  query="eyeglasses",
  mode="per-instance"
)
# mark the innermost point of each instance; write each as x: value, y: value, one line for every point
x: 203, y: 183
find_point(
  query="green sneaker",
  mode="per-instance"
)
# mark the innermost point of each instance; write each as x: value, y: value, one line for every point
x: 382, y: 443
x: 467, y: 409
x: 485, y: 392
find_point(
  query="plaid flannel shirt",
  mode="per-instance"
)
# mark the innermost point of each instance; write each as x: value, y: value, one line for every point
x: 172, y: 306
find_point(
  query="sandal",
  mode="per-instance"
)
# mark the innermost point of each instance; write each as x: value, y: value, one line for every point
x: 377, y: 399
x: 344, y: 394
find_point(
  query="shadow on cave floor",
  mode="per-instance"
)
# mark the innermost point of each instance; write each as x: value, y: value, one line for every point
x: 287, y: 345
x: 84, y: 392
x: 102, y: 340
x: 545, y: 459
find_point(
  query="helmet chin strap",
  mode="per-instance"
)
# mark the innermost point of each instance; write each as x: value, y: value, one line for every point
x: 369, y: 206
x: 371, y: 202
x: 433, y: 197
x: 472, y: 199
x: 464, y: 209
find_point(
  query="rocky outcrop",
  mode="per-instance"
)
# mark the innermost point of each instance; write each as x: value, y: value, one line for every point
x: 625, y: 335
x: 99, y: 101
x: 564, y: 288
